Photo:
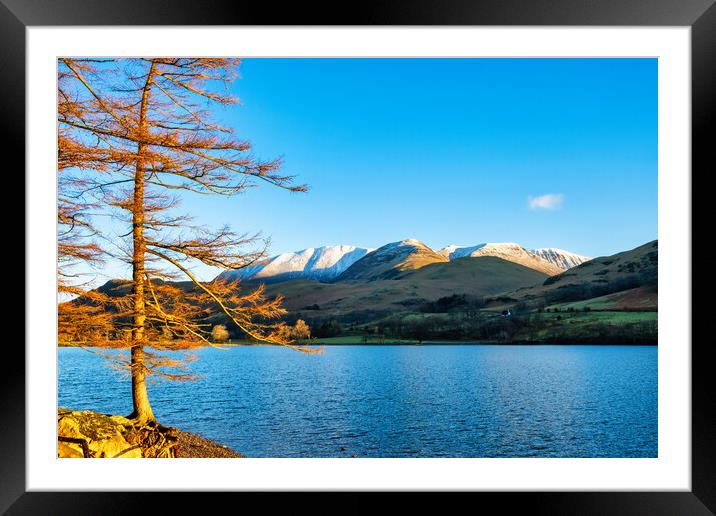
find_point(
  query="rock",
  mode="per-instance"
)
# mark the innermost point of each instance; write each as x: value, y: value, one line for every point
x: 71, y: 451
x: 106, y: 436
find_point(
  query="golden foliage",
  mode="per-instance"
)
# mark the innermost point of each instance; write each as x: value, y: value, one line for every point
x: 131, y: 134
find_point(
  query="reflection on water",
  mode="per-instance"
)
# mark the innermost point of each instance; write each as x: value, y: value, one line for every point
x: 399, y: 401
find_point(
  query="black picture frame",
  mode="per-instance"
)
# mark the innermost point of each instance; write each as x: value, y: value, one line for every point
x: 700, y: 15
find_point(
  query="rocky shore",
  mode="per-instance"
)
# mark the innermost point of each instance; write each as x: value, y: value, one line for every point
x: 196, y: 446
x: 88, y: 434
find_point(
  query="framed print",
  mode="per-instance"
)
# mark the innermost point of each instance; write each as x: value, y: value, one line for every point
x: 424, y: 240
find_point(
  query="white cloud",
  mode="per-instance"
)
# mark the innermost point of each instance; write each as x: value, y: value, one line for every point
x: 545, y: 202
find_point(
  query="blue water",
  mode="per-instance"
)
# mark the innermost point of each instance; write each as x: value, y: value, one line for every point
x: 399, y: 401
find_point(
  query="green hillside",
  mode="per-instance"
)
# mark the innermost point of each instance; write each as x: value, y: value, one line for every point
x: 487, y: 274
x: 634, y: 273
x: 472, y: 277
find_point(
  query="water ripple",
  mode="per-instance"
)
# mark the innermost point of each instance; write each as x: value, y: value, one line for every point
x: 397, y: 401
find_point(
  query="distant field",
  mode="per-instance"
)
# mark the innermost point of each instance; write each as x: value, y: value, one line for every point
x: 604, y: 317
x: 638, y: 299
x: 592, y: 327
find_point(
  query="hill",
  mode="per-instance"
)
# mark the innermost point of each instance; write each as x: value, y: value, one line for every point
x: 485, y: 274
x: 391, y: 260
x: 410, y: 288
x: 633, y: 274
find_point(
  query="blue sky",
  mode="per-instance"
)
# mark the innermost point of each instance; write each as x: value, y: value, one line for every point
x: 448, y: 151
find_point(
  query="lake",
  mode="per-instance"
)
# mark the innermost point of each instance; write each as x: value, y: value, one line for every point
x: 398, y: 401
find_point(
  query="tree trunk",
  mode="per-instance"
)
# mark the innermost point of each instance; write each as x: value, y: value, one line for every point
x: 142, y: 409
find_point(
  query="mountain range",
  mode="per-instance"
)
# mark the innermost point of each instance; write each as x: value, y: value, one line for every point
x: 407, y: 290
x: 496, y: 292
x: 351, y: 263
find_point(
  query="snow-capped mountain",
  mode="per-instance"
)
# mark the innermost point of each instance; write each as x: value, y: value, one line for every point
x: 320, y: 263
x: 560, y: 257
x: 390, y: 260
x: 348, y: 262
x: 507, y: 251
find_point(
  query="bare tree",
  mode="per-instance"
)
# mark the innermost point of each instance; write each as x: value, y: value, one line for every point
x: 134, y: 133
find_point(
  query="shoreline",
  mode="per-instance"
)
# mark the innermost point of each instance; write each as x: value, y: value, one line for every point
x: 195, y: 446
x: 407, y: 344
x: 460, y: 343
x: 403, y: 342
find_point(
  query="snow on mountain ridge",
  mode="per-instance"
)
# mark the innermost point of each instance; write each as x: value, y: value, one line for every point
x: 321, y: 263
x: 408, y: 242
x: 456, y: 251
x: 560, y: 257
x: 326, y: 263
x: 509, y: 251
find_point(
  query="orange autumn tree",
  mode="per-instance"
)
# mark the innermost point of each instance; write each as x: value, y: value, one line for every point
x: 136, y: 132
x: 76, y: 248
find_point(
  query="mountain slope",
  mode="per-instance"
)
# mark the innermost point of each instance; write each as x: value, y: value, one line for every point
x: 559, y: 257
x: 635, y: 270
x: 507, y: 251
x: 322, y: 264
x: 391, y: 260
x: 478, y: 275
x: 475, y: 277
